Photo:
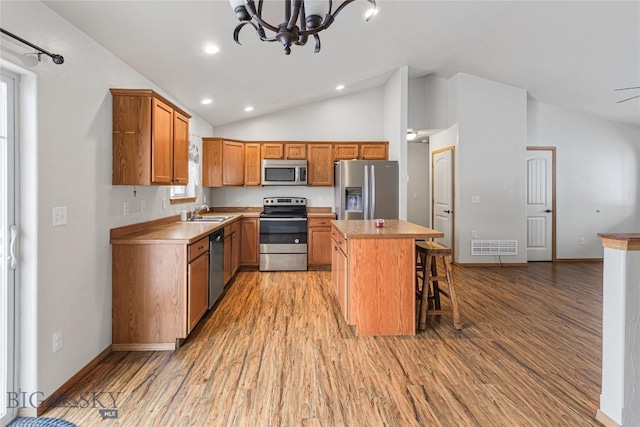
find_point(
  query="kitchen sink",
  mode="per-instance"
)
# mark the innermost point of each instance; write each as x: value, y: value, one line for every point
x: 211, y: 218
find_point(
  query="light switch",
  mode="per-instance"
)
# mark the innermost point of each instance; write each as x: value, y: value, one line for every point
x: 475, y: 199
x: 59, y: 216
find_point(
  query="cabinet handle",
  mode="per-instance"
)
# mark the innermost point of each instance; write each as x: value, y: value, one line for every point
x: 322, y: 223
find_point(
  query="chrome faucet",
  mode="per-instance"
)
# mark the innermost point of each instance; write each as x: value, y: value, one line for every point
x: 197, y: 210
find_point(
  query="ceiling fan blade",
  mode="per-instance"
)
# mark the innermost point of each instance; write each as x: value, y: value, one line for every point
x: 633, y: 97
x: 625, y: 88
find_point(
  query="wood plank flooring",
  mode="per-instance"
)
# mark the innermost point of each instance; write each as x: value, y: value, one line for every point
x: 276, y: 352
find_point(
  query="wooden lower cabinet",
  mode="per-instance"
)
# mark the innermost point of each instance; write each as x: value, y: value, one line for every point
x: 249, y: 242
x: 198, y: 289
x: 160, y: 292
x: 339, y: 275
x: 319, y: 240
x: 231, y: 250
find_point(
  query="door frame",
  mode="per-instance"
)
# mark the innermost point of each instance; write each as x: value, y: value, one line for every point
x: 12, y: 296
x: 451, y: 148
x: 553, y: 195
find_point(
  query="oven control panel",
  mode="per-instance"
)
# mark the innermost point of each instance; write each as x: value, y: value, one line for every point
x: 284, y: 201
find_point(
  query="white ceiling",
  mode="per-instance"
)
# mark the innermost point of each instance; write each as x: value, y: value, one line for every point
x: 567, y: 53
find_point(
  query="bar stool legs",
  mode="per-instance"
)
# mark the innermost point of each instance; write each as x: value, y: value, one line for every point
x: 431, y: 289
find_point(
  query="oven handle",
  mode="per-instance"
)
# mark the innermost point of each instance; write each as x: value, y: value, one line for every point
x: 283, y: 219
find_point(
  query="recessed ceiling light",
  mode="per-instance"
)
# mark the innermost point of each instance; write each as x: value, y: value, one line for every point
x: 249, y: 108
x: 211, y: 49
x: 339, y: 87
x: 370, y: 13
x: 207, y: 101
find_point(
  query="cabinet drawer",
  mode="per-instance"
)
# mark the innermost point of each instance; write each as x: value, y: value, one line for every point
x: 340, y: 241
x: 198, y: 248
x: 319, y: 222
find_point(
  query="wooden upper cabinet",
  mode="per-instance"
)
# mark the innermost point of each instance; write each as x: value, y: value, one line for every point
x: 377, y: 151
x: 320, y: 165
x: 272, y: 150
x: 150, y: 139
x: 222, y: 162
x: 252, y: 166
x: 180, y: 148
x: 345, y: 151
x: 295, y: 151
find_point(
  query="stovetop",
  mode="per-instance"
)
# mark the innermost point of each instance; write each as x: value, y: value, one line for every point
x: 284, y: 207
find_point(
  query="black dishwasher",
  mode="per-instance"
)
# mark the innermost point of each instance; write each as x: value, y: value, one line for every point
x: 216, y: 266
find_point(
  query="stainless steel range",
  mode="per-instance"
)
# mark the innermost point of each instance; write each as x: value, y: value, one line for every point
x: 283, y: 234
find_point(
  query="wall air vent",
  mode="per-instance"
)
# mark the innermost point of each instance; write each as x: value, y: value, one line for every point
x: 494, y: 247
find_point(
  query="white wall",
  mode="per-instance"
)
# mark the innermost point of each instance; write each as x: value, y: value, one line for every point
x: 351, y: 117
x: 418, y: 187
x: 395, y: 129
x: 69, y: 165
x: 597, y: 169
x: 489, y: 163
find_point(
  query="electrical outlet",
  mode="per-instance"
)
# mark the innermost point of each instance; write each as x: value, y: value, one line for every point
x: 142, y: 206
x: 582, y: 240
x: 125, y: 208
x: 237, y: 198
x: 475, y: 199
x: 474, y: 233
x: 164, y: 204
x: 59, y: 216
x: 57, y: 341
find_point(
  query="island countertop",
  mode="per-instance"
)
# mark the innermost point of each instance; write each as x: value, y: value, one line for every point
x: 393, y: 229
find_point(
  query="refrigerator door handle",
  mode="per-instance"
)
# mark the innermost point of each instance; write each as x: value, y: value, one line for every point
x: 373, y: 191
x: 365, y: 209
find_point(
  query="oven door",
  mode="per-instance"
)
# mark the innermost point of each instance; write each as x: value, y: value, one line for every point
x: 283, y: 244
x: 276, y: 232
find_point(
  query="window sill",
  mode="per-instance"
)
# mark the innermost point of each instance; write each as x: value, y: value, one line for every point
x: 181, y: 200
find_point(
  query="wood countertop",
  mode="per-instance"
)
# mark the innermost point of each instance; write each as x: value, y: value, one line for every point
x: 622, y: 241
x: 393, y: 229
x: 172, y: 230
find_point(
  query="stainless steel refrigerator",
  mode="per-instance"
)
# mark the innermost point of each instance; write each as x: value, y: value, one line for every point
x: 366, y: 189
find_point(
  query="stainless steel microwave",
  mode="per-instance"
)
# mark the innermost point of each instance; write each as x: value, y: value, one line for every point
x: 284, y: 172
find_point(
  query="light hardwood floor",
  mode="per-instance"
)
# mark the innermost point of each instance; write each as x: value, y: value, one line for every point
x: 276, y: 352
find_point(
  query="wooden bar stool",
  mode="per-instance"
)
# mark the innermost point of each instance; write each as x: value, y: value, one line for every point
x: 428, y: 254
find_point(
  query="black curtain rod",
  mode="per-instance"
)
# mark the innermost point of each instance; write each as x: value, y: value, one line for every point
x: 57, y: 59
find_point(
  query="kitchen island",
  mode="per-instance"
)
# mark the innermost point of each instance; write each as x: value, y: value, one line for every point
x: 373, y: 272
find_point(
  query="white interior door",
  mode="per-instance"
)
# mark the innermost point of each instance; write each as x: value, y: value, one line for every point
x: 8, y: 235
x: 442, y: 206
x: 539, y: 205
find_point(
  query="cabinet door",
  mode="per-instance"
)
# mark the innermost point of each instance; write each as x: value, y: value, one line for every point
x: 180, y: 149
x: 339, y: 278
x: 249, y: 242
x: 374, y: 151
x: 227, y: 255
x: 161, y: 143
x: 272, y: 151
x: 198, y: 290
x: 131, y: 140
x: 233, y: 163
x: 320, y: 165
x: 295, y: 151
x: 345, y: 151
x: 319, y: 240
x: 211, y: 162
x: 252, y: 167
x: 235, y: 247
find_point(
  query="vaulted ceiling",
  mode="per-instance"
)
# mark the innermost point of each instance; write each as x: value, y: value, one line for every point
x: 568, y: 53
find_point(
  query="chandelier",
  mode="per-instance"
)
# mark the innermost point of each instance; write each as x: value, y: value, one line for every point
x: 302, y: 18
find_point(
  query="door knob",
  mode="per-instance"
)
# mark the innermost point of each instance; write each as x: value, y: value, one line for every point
x: 548, y: 211
x: 447, y: 211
